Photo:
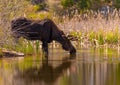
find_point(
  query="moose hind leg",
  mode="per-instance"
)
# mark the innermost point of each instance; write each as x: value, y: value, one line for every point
x: 45, y: 49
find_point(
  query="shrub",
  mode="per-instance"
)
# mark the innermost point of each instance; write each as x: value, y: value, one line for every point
x: 67, y: 3
x: 84, y: 4
x: 117, y: 4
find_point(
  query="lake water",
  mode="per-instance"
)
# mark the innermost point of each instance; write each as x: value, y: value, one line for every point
x: 88, y: 67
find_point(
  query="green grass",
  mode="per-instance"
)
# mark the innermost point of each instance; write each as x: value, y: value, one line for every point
x: 37, y: 46
x: 100, y: 37
x: 39, y: 16
x: 25, y: 47
x: 112, y: 38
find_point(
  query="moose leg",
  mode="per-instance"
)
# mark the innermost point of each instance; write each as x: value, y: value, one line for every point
x: 45, y: 49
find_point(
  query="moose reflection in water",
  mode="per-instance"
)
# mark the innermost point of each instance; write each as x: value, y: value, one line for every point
x: 44, y: 30
x: 88, y: 68
x: 47, y: 73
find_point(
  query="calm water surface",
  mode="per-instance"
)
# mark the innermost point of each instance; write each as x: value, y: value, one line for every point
x: 88, y: 67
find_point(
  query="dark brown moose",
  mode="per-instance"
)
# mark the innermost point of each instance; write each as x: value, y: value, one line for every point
x: 44, y: 30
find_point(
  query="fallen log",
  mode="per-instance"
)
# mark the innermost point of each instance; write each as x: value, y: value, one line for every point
x: 8, y: 53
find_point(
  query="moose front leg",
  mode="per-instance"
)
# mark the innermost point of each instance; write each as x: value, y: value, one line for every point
x: 45, y: 49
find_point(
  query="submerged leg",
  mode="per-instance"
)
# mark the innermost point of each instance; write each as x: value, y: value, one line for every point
x: 45, y: 49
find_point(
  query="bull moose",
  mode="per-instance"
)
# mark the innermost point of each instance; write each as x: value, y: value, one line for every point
x: 44, y: 30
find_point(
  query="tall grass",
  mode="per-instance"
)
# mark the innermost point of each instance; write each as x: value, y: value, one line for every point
x: 28, y: 47
x: 94, y: 26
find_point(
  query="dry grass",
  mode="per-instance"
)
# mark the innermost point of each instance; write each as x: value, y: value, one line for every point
x: 92, y: 28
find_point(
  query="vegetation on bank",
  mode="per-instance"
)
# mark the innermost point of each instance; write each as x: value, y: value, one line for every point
x: 91, y: 28
x: 88, y: 30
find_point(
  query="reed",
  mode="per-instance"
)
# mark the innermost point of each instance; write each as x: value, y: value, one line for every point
x: 95, y: 28
x: 24, y: 46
